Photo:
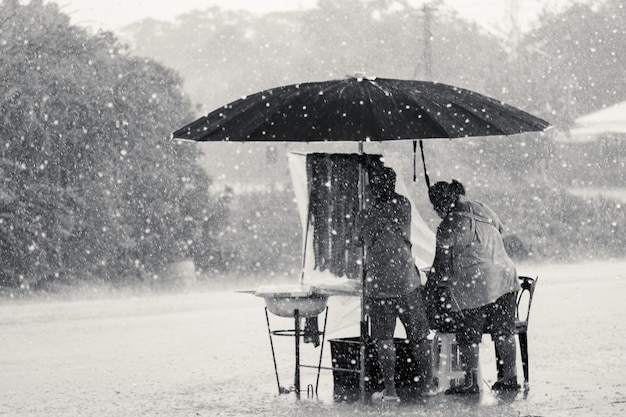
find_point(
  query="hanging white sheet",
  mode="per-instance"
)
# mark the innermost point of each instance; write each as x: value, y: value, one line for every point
x: 344, y: 319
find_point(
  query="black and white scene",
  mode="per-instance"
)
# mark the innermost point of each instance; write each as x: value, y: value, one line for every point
x: 312, y: 208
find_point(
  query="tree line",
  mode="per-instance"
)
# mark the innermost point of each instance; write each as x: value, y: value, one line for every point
x: 93, y: 189
x: 568, y: 64
x: 91, y: 186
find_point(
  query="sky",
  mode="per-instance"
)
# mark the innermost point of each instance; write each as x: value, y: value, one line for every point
x: 113, y: 14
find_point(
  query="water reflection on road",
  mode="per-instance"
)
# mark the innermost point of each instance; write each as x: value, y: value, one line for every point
x: 207, y: 354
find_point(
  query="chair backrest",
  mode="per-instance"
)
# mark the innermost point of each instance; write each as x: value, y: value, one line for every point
x: 528, y: 284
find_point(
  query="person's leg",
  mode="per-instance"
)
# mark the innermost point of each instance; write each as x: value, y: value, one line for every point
x: 386, y: 351
x: 423, y: 352
x: 468, y: 336
x: 413, y: 317
x: 382, y: 314
x: 501, y: 325
x: 507, y: 352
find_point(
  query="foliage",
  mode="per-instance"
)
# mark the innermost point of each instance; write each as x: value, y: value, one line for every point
x: 571, y: 64
x: 92, y: 187
x: 223, y: 54
x: 91, y: 184
x: 568, y: 65
x: 561, y: 224
x: 543, y: 221
x: 264, y: 237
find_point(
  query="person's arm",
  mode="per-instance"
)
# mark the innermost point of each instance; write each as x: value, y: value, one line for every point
x: 439, y: 272
x: 442, y: 264
x: 441, y: 267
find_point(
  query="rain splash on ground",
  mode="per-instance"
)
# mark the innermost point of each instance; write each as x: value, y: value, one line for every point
x: 207, y: 353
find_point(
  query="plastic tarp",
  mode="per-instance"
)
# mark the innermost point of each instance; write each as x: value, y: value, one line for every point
x: 344, y: 318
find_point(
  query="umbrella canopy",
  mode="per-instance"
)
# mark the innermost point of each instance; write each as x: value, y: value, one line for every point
x: 360, y: 109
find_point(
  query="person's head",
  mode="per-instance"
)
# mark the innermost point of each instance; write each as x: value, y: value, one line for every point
x: 444, y: 196
x: 382, y: 181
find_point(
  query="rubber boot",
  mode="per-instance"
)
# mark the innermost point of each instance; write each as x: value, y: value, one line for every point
x: 423, y: 354
x: 387, y: 359
x: 506, y: 348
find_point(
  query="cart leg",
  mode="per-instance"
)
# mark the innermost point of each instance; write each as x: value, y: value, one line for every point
x: 523, y: 342
x: 319, y: 364
x: 296, y: 316
x: 269, y: 332
x: 365, y: 398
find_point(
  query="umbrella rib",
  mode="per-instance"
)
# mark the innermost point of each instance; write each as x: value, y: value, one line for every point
x: 422, y: 112
x: 495, y: 110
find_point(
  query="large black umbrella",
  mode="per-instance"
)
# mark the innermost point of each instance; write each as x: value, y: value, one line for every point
x: 361, y: 109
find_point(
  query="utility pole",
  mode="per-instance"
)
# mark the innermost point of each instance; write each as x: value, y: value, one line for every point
x: 428, y: 49
x: 426, y: 62
x: 513, y: 11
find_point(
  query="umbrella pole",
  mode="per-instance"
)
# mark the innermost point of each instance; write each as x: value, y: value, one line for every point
x: 363, y: 324
x: 306, y: 239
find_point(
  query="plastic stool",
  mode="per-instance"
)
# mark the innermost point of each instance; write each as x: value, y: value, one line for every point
x: 447, y: 369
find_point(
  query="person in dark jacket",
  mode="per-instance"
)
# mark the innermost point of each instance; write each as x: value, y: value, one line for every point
x: 481, y: 281
x: 392, y: 283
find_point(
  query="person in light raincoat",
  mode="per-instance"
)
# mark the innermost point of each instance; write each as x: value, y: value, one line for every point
x: 392, y: 283
x: 480, y: 279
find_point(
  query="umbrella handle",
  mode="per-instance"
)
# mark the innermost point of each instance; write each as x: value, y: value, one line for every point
x: 424, y: 164
x: 414, y: 160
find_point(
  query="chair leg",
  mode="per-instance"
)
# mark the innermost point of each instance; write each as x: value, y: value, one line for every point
x: 523, y: 344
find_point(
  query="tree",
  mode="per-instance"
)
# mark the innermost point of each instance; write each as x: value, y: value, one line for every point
x: 93, y: 186
x: 571, y: 64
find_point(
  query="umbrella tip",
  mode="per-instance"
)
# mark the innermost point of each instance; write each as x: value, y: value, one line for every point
x: 360, y: 76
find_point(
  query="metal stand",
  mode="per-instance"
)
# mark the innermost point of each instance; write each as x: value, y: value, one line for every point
x: 297, y: 333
